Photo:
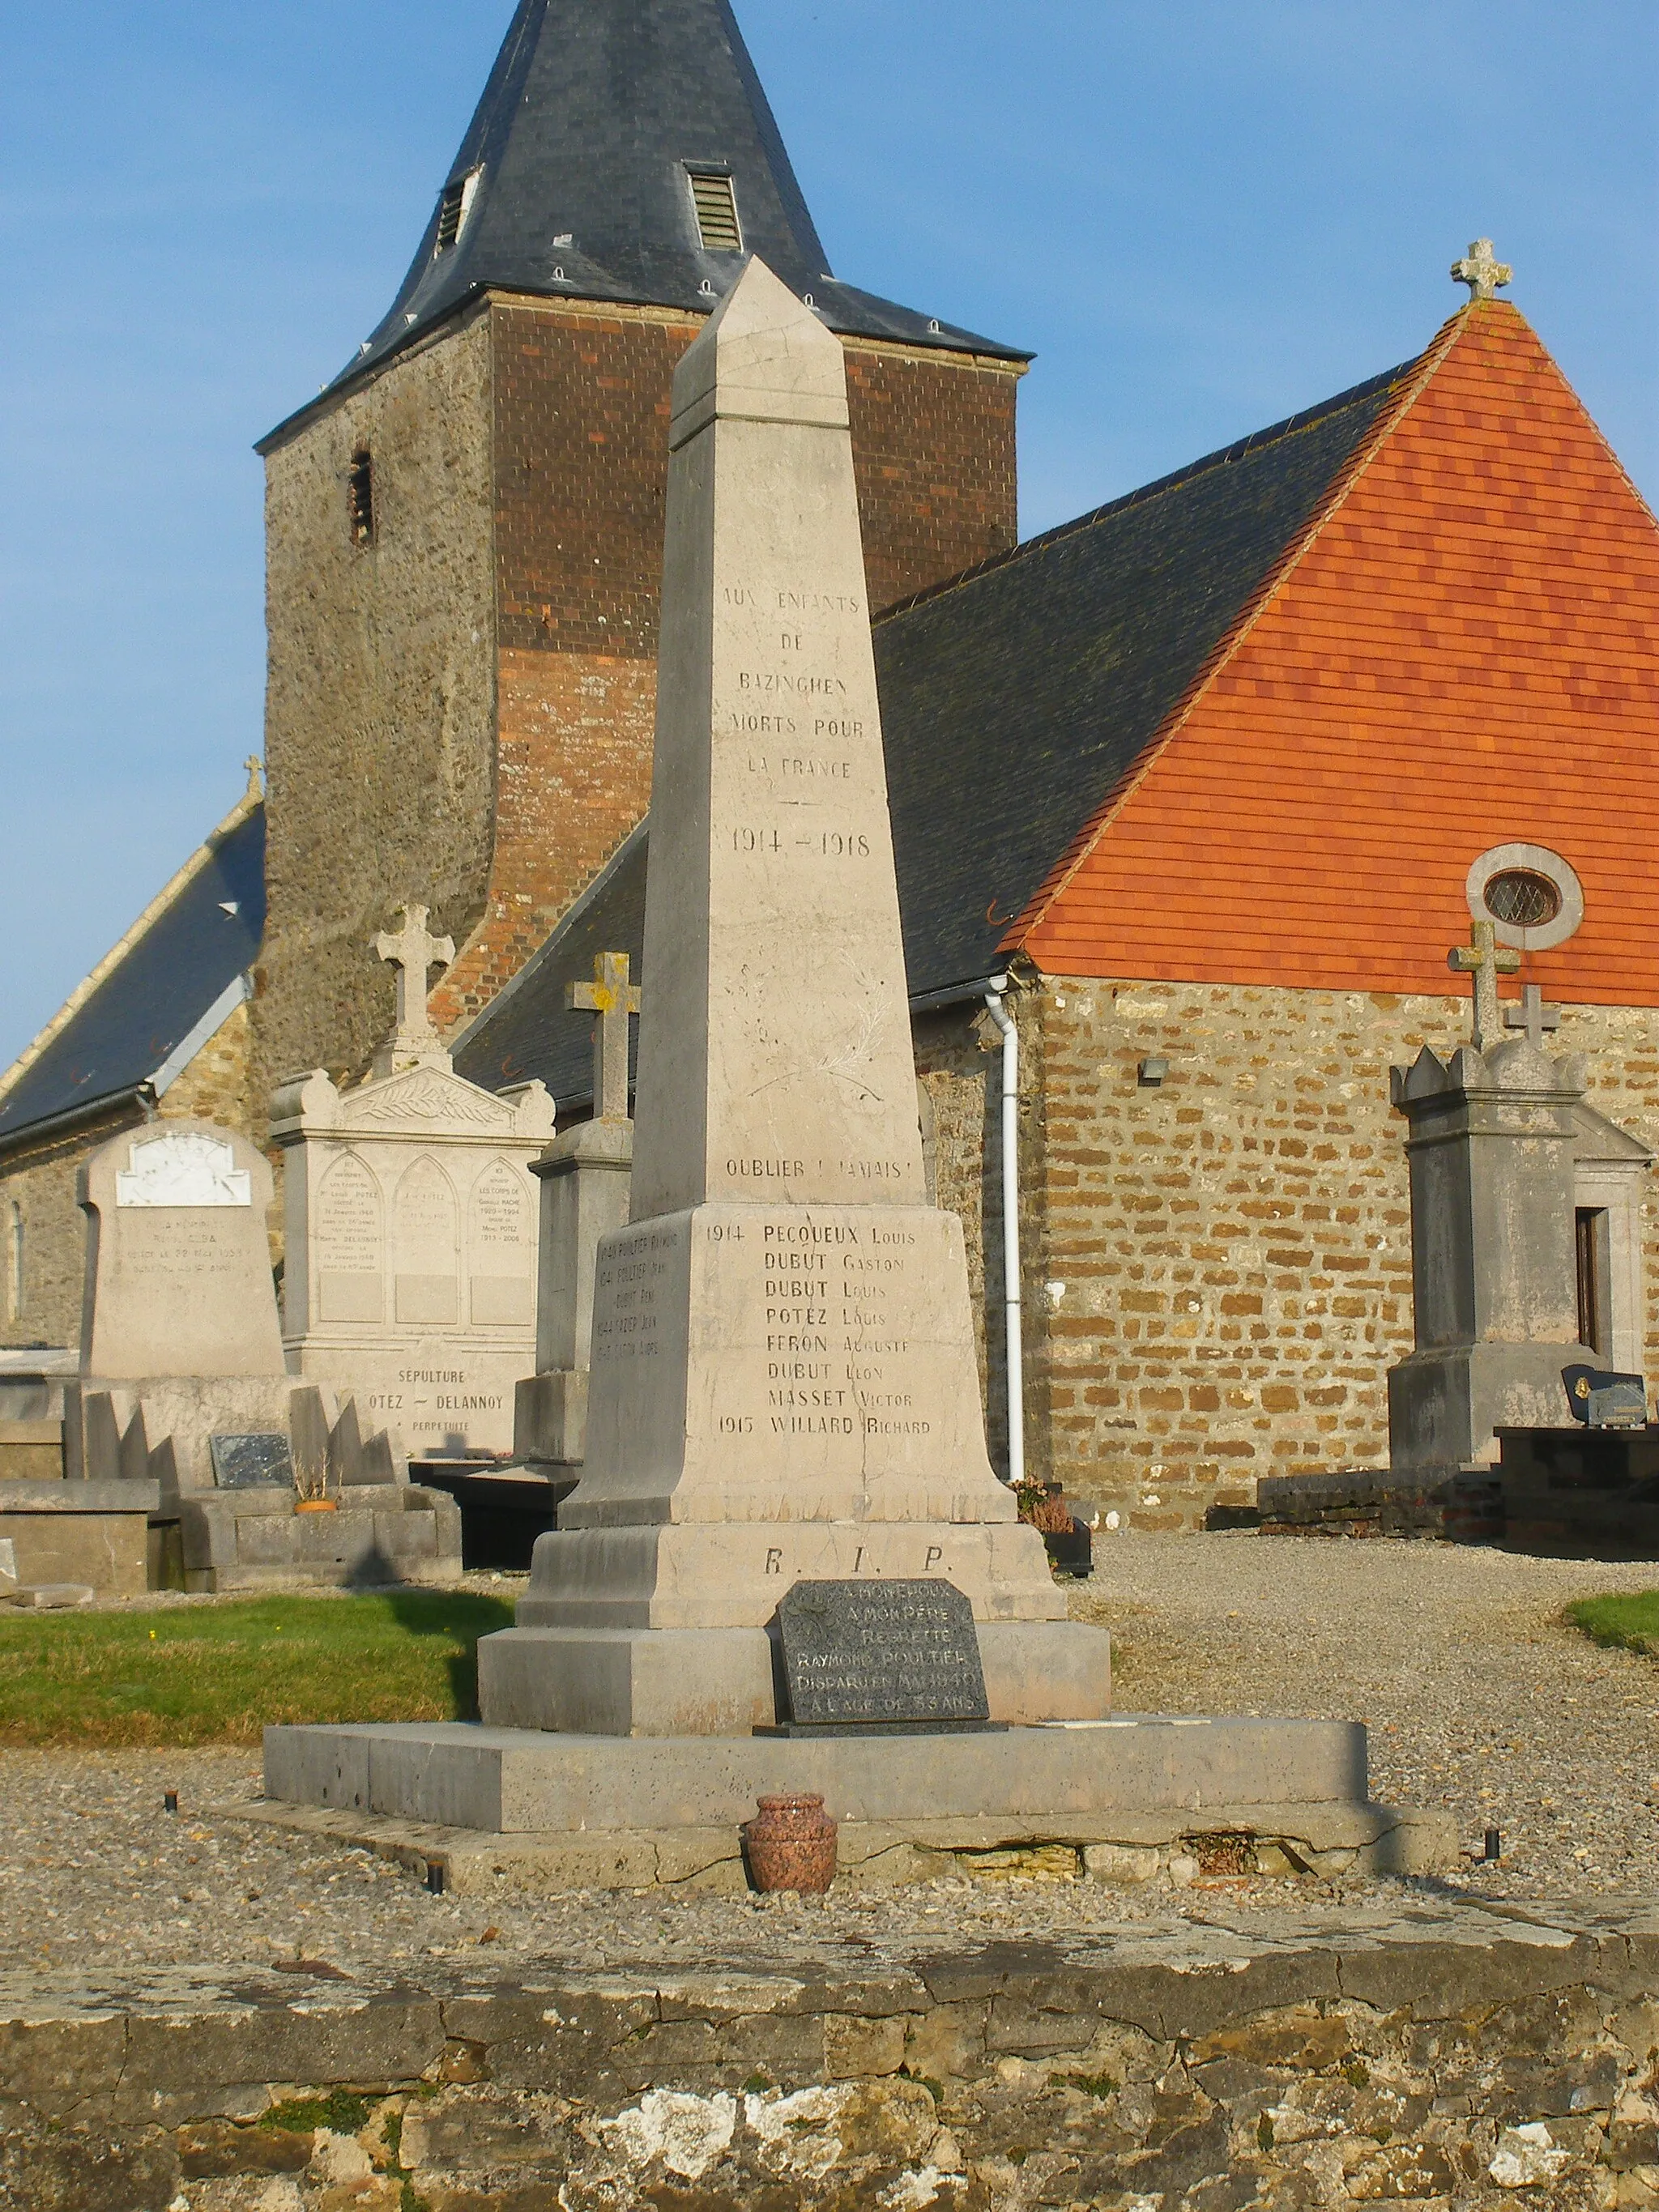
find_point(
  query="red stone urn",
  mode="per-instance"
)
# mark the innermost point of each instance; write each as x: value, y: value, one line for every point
x: 791, y: 1844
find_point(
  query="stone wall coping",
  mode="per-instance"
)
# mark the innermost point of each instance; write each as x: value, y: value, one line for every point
x: 59, y: 1497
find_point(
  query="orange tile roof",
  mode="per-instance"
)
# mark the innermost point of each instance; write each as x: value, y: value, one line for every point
x: 1461, y: 651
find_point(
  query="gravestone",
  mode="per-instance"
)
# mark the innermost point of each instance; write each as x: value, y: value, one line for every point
x: 784, y: 1384
x: 1490, y: 1152
x: 249, y: 1463
x: 179, y: 1279
x: 897, y: 1656
x: 411, y: 1230
x: 584, y: 1175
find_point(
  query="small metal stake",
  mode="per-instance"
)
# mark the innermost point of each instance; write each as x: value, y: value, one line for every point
x: 1494, y: 1845
x: 169, y: 1800
x: 435, y: 1876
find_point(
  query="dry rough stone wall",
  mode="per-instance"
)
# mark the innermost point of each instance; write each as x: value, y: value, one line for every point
x: 381, y: 705
x: 1231, y: 2069
x: 1217, y: 1271
x: 38, y: 1179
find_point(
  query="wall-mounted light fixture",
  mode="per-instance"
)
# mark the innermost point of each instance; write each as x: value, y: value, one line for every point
x: 1152, y: 1072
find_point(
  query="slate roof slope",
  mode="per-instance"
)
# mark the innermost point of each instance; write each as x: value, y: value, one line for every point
x: 168, y: 975
x: 525, y: 1032
x: 591, y: 115
x: 1015, y: 698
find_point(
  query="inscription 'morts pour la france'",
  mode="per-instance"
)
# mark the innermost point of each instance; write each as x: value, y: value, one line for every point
x: 866, y: 1653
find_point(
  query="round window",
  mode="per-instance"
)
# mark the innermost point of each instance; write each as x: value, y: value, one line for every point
x: 1531, y: 896
x: 1522, y: 899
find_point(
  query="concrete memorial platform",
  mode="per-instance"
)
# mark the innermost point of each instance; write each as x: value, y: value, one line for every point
x: 784, y: 1387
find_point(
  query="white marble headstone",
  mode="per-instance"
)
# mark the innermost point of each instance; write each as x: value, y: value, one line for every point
x: 178, y: 1270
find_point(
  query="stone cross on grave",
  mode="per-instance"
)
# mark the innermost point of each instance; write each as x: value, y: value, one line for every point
x: 613, y: 999
x: 1532, y: 1016
x: 1486, y: 960
x: 414, y: 952
x: 1481, y: 271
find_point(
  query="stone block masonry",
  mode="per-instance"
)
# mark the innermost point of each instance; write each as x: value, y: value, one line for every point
x: 1218, y: 1267
x: 37, y: 1175
x: 1454, y: 2054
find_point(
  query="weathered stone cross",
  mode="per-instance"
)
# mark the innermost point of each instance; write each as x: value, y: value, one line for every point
x: 414, y: 952
x: 613, y: 999
x: 1532, y: 1016
x: 1486, y: 960
x: 1481, y: 271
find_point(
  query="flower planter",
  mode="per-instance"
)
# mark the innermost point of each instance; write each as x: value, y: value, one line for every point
x: 791, y: 1844
x: 315, y: 1505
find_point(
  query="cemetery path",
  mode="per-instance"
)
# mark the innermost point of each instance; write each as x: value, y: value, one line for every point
x: 1478, y: 1696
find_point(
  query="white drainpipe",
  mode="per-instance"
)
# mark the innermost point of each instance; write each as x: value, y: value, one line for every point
x: 993, y: 1006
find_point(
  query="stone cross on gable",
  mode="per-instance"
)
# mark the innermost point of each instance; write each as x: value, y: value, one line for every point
x: 414, y: 952
x: 1481, y: 271
x: 1532, y: 1016
x: 1486, y: 960
x: 613, y: 999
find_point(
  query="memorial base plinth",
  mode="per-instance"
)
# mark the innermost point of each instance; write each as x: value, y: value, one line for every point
x: 586, y: 1811
x: 721, y: 1682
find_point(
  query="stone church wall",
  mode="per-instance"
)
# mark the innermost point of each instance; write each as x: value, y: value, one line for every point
x: 379, y: 723
x: 1219, y: 1269
x: 38, y: 1180
x: 1216, y: 1271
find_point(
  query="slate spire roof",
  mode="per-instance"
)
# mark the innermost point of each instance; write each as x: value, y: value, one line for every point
x: 574, y: 178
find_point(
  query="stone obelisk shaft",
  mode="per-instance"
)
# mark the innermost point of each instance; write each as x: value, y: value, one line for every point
x: 774, y: 1049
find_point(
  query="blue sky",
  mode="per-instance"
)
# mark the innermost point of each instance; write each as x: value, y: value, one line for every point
x: 1202, y: 215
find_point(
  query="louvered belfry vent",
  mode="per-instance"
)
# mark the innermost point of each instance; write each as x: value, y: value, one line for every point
x: 715, y: 200
x: 452, y: 210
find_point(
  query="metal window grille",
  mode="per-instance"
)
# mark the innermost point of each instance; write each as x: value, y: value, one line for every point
x: 1522, y: 899
x: 360, y: 498
x: 715, y: 200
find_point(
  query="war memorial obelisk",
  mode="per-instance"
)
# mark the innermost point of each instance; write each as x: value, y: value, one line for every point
x: 783, y: 1382
x: 783, y: 1386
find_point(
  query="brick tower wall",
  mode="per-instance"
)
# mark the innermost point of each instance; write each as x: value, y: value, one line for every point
x: 463, y: 713
x: 579, y: 429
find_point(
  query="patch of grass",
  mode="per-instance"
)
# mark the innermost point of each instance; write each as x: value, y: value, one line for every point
x: 1093, y: 2085
x: 1626, y: 1622
x: 342, y: 2111
x: 218, y: 1674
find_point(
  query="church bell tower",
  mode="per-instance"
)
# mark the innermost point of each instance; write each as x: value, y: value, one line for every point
x: 465, y: 529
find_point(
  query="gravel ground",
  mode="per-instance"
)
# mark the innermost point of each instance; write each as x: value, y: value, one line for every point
x: 1477, y: 1697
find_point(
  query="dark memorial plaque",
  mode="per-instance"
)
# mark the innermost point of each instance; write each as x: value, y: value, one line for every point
x: 251, y: 1462
x: 880, y: 1655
